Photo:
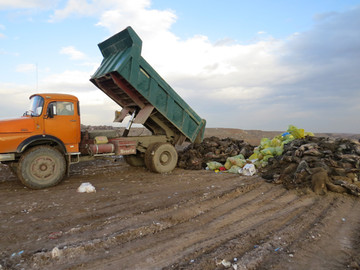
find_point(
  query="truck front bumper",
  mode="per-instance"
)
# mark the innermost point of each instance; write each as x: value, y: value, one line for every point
x: 7, y: 157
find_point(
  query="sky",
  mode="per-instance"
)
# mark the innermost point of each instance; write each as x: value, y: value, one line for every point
x: 244, y: 64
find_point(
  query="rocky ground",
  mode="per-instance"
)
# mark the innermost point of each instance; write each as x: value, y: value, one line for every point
x: 187, y: 219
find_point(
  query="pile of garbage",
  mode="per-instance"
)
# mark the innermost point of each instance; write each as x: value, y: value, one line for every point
x: 320, y: 163
x: 212, y: 149
x: 275, y: 147
x: 296, y: 159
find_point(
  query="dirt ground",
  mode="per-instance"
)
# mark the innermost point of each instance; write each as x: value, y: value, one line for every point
x: 180, y: 220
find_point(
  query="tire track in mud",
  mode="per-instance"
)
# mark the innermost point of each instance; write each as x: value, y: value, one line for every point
x: 217, y: 221
x: 145, y: 224
x: 332, y: 243
x: 187, y: 244
x: 206, y: 221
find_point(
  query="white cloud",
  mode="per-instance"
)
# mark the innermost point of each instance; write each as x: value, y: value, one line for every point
x: 73, y: 53
x: 266, y: 84
x: 69, y: 80
x: 79, y: 7
x: 25, y: 68
x: 26, y: 4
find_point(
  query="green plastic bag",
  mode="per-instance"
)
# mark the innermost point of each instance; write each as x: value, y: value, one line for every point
x: 238, y: 160
x: 234, y: 169
x: 265, y: 143
x: 214, y: 165
x: 298, y: 133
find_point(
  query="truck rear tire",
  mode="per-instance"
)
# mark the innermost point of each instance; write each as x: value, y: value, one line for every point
x: 41, y: 167
x: 135, y: 160
x: 161, y: 157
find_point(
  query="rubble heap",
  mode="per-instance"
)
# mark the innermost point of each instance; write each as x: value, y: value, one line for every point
x: 195, y: 156
x: 317, y: 162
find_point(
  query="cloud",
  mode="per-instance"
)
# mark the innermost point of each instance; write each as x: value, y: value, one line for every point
x: 270, y: 83
x: 78, y: 7
x: 68, y: 80
x: 73, y: 53
x: 25, y: 68
x: 26, y: 4
x: 309, y: 79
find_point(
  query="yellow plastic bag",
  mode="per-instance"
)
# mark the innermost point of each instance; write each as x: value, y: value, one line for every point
x: 298, y: 133
x: 238, y: 160
x: 265, y: 143
x: 214, y: 165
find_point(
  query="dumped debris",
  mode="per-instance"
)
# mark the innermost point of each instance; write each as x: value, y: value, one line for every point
x: 296, y: 159
x: 319, y: 163
x: 195, y: 156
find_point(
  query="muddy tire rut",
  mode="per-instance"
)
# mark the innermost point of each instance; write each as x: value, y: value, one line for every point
x: 181, y: 220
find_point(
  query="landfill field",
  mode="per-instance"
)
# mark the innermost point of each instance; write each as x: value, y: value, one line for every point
x: 282, y: 217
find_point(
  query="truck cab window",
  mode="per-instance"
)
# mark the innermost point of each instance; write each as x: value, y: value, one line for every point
x: 64, y: 108
x: 36, y: 106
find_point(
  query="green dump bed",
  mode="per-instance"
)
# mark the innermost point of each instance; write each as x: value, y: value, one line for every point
x: 131, y: 82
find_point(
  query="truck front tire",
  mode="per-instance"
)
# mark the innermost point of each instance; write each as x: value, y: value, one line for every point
x: 41, y: 167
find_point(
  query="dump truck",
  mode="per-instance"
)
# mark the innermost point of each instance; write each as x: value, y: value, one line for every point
x: 40, y: 146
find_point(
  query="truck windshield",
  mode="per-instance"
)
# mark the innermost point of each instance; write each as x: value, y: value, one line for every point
x: 36, y: 106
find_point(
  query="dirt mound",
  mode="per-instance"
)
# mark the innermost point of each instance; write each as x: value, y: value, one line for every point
x: 317, y: 162
x: 195, y: 156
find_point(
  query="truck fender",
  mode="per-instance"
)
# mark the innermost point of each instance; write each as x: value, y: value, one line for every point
x: 40, y: 138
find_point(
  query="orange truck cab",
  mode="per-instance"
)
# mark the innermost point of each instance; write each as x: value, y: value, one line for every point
x: 39, y: 145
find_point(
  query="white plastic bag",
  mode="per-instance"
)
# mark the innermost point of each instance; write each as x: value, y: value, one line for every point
x: 86, y: 187
x: 248, y: 170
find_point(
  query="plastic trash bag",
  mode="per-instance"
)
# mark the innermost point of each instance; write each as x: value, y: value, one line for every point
x: 234, y: 169
x: 265, y: 143
x: 248, y: 170
x: 86, y: 188
x: 298, y: 133
x: 214, y: 165
x: 238, y: 160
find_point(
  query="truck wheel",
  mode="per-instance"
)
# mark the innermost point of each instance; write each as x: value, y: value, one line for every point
x: 134, y: 160
x: 162, y: 158
x: 41, y: 167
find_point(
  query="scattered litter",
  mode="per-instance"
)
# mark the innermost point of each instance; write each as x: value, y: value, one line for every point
x: 17, y: 253
x: 226, y: 263
x: 55, y: 235
x: 343, y: 219
x: 86, y: 188
x: 55, y: 252
x: 248, y: 170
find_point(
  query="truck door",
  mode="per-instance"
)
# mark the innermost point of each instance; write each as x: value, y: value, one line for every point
x: 63, y: 122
